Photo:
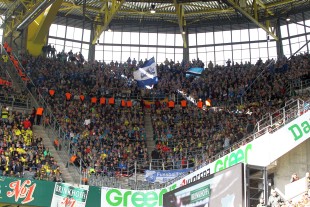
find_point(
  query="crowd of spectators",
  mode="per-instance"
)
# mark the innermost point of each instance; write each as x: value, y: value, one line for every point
x: 113, y: 140
x: 22, y: 154
x: 240, y: 95
x: 105, y: 138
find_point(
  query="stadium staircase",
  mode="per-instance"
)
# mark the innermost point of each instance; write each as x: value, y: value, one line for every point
x: 8, y: 68
x: 69, y: 174
x: 149, y: 133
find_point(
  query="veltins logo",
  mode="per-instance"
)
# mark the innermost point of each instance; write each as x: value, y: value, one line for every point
x: 22, y: 191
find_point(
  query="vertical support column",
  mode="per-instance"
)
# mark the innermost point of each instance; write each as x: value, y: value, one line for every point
x: 91, y: 52
x: 303, y: 20
x: 279, y: 43
x: 185, y: 49
x: 266, y: 185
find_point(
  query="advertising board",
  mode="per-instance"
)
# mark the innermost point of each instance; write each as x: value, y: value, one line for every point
x: 221, y: 189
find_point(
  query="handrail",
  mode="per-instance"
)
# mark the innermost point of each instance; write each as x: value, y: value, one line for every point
x: 272, y: 127
x: 9, y: 12
x: 298, y: 84
x: 38, y: 100
x: 293, y: 109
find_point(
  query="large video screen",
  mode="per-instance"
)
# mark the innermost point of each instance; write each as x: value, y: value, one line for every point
x: 222, y: 189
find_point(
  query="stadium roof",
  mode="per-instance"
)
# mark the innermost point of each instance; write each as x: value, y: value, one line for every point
x: 169, y: 13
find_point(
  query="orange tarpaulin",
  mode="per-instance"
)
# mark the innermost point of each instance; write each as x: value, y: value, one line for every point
x: 40, y: 111
x: 171, y: 104
x: 5, y: 82
x: 199, y: 104
x: 111, y: 101
x: 68, y: 96
x: 183, y: 103
x: 82, y: 97
x: 51, y: 92
x: 5, y: 45
x: 102, y: 100
x: 129, y: 103
x: 123, y: 103
x: 93, y: 100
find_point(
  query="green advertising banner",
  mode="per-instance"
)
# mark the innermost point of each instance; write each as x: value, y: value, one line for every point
x: 133, y: 198
x: 68, y: 195
x: 94, y: 197
x: 25, y: 191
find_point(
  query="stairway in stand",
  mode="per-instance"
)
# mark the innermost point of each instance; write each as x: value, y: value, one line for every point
x: 69, y: 173
x: 149, y: 132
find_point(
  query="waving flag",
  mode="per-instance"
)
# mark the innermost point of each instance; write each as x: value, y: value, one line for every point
x: 194, y: 72
x: 146, y: 76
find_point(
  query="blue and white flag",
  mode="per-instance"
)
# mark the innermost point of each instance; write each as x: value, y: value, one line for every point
x: 147, y: 74
x: 163, y: 176
x: 194, y: 72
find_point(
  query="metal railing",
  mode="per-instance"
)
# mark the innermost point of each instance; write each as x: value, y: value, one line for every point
x: 300, y: 87
x: 38, y: 100
x: 269, y: 124
x: 273, y: 122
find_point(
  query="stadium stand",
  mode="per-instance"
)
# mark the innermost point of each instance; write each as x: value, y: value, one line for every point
x: 114, y: 133
x: 22, y: 153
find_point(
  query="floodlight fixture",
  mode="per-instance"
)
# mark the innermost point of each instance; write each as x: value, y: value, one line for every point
x: 153, y: 9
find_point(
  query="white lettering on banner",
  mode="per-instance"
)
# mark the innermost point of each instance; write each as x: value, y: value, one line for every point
x: 260, y: 151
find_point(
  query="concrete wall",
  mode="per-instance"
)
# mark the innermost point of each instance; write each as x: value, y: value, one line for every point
x: 296, y: 161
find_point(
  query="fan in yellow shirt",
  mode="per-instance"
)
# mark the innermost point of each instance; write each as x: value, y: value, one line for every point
x: 23, y: 160
x: 103, y: 156
x: 17, y: 132
x: 29, y: 132
x: 20, y: 150
x: 47, y: 168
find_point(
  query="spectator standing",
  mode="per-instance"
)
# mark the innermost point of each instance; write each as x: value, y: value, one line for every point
x: 33, y: 115
x: 294, y: 178
x: 27, y: 123
x: 274, y: 199
x: 261, y: 203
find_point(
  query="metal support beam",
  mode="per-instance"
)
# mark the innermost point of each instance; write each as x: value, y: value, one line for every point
x: 45, y: 20
x: 255, y: 10
x: 251, y: 18
x: 279, y: 3
x: 300, y: 49
x: 38, y: 29
x: 108, y: 16
x: 181, y: 20
x: 33, y: 8
x: 261, y: 4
